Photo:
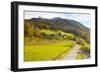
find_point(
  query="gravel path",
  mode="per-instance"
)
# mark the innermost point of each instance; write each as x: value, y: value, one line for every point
x: 73, y: 53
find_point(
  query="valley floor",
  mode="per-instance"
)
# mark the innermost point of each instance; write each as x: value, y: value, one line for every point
x: 50, y: 50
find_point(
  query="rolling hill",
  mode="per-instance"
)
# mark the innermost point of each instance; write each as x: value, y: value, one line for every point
x: 58, y: 23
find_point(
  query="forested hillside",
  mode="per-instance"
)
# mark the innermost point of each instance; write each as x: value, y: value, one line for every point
x: 57, y: 25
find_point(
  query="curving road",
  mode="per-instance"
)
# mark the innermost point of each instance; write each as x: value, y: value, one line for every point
x: 72, y: 55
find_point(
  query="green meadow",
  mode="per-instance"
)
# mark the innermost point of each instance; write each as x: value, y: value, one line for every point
x: 47, y: 51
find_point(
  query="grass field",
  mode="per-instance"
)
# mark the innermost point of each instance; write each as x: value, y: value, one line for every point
x: 46, y: 50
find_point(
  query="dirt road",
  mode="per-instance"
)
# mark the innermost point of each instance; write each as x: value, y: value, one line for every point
x: 72, y: 55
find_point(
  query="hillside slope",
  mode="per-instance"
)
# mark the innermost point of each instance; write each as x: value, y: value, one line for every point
x: 65, y: 25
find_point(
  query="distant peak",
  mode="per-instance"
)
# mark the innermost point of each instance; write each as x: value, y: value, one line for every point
x: 57, y: 18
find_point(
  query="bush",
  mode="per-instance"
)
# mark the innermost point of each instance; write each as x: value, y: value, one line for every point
x: 79, y: 41
x: 85, y: 47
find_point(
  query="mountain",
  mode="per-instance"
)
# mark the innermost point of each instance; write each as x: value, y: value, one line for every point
x: 57, y: 18
x: 65, y: 25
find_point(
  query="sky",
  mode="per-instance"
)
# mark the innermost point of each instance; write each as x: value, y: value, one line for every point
x: 80, y: 17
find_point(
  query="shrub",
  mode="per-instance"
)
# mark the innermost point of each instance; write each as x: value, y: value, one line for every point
x: 28, y: 29
x: 85, y: 47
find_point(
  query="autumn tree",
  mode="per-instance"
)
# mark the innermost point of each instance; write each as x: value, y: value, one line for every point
x: 28, y: 29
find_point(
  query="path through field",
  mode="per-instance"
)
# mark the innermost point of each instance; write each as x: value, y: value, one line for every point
x: 73, y: 54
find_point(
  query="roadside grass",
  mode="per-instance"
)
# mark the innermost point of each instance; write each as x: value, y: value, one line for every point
x: 80, y: 56
x: 85, y: 50
x: 47, y: 52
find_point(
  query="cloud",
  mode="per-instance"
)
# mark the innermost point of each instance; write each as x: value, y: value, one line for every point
x: 82, y: 18
x: 29, y: 15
